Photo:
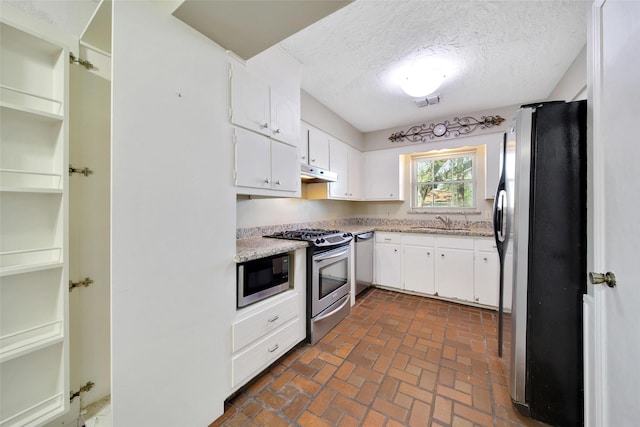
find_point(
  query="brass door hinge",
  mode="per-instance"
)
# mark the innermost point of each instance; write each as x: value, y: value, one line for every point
x: 85, y: 282
x: 88, y: 386
x: 84, y: 171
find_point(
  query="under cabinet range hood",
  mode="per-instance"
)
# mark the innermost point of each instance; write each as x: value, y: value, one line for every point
x: 314, y: 174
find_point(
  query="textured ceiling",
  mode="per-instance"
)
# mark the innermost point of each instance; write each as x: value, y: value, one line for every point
x: 500, y: 53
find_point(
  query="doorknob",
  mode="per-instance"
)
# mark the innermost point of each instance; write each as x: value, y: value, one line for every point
x: 597, y: 278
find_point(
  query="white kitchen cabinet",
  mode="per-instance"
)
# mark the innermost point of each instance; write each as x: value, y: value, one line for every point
x: 258, y: 107
x: 318, y: 148
x: 388, y: 259
x: 383, y: 175
x: 263, y: 163
x: 454, y: 268
x: 346, y: 161
x: 34, y: 342
x: 487, y: 274
x: 486, y: 278
x: 303, y: 146
x: 339, y: 163
x: 418, y: 263
x: 285, y: 119
x: 355, y: 173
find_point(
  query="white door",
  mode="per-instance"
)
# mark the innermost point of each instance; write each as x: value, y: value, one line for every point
x: 612, y: 374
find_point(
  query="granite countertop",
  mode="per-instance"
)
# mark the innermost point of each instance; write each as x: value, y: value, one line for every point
x: 259, y: 247
x: 256, y: 247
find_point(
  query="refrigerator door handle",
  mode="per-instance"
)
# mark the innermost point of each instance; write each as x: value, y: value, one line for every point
x: 499, y: 216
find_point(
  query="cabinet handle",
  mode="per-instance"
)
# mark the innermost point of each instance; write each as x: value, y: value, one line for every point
x: 267, y: 180
x: 395, y: 250
x: 273, y: 319
x: 276, y: 131
x: 346, y: 194
x: 272, y: 349
x: 428, y: 253
x: 391, y: 195
x: 278, y: 182
x: 303, y: 157
x: 442, y: 255
x: 485, y: 258
x: 264, y: 126
x: 386, y: 239
x: 313, y: 160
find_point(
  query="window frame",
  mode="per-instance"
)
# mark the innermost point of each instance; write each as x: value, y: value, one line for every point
x: 432, y: 156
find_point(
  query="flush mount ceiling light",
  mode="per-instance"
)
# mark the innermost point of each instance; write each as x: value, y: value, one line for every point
x: 421, y: 81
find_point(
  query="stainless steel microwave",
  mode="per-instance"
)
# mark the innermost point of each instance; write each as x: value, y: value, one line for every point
x: 261, y: 278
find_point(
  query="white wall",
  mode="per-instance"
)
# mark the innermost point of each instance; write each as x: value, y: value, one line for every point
x: 173, y: 210
x: 573, y: 83
x: 316, y: 114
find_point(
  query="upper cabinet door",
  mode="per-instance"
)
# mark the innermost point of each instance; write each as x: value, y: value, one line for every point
x: 303, y: 143
x: 285, y: 119
x: 355, y: 173
x: 250, y: 101
x: 318, y: 148
x: 339, y: 162
x: 285, y: 170
x: 253, y: 159
x: 383, y: 176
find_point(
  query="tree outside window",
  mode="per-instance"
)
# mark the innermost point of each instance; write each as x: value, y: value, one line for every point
x: 444, y: 181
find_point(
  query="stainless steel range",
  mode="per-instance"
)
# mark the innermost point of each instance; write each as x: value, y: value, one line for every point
x: 328, y: 277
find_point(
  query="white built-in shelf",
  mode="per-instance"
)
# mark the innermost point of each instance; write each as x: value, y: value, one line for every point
x: 33, y: 414
x: 26, y: 261
x: 29, y: 340
x: 36, y: 106
x: 26, y: 181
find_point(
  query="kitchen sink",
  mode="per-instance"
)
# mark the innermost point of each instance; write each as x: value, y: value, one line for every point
x: 439, y: 229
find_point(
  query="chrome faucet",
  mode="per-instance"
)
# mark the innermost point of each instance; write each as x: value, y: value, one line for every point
x: 445, y: 220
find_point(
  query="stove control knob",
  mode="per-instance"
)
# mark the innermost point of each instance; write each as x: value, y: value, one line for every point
x: 322, y: 240
x: 347, y: 235
x: 318, y: 241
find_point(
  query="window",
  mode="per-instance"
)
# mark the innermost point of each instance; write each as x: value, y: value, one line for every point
x: 444, y: 181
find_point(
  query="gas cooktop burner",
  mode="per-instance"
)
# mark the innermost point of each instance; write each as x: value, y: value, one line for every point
x: 317, y: 236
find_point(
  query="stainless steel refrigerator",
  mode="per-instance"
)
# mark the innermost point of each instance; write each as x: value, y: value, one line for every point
x: 540, y: 209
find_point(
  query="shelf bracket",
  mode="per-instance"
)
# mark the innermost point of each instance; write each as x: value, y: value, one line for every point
x: 88, y: 386
x: 86, y: 64
x: 84, y: 171
x: 85, y: 282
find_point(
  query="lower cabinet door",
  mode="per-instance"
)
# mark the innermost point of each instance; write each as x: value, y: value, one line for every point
x: 388, y: 265
x: 487, y: 278
x: 452, y: 281
x: 418, y: 269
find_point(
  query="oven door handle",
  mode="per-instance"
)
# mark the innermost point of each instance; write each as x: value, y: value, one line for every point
x: 334, y: 311
x: 331, y: 255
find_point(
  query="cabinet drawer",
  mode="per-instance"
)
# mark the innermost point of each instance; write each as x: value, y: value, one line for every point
x: 262, y: 354
x: 257, y: 325
x: 417, y: 239
x: 488, y: 245
x: 454, y: 243
x: 388, y: 237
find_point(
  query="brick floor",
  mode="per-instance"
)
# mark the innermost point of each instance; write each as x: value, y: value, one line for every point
x: 396, y: 360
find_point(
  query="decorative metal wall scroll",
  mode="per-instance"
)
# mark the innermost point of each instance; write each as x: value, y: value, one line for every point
x: 459, y: 126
